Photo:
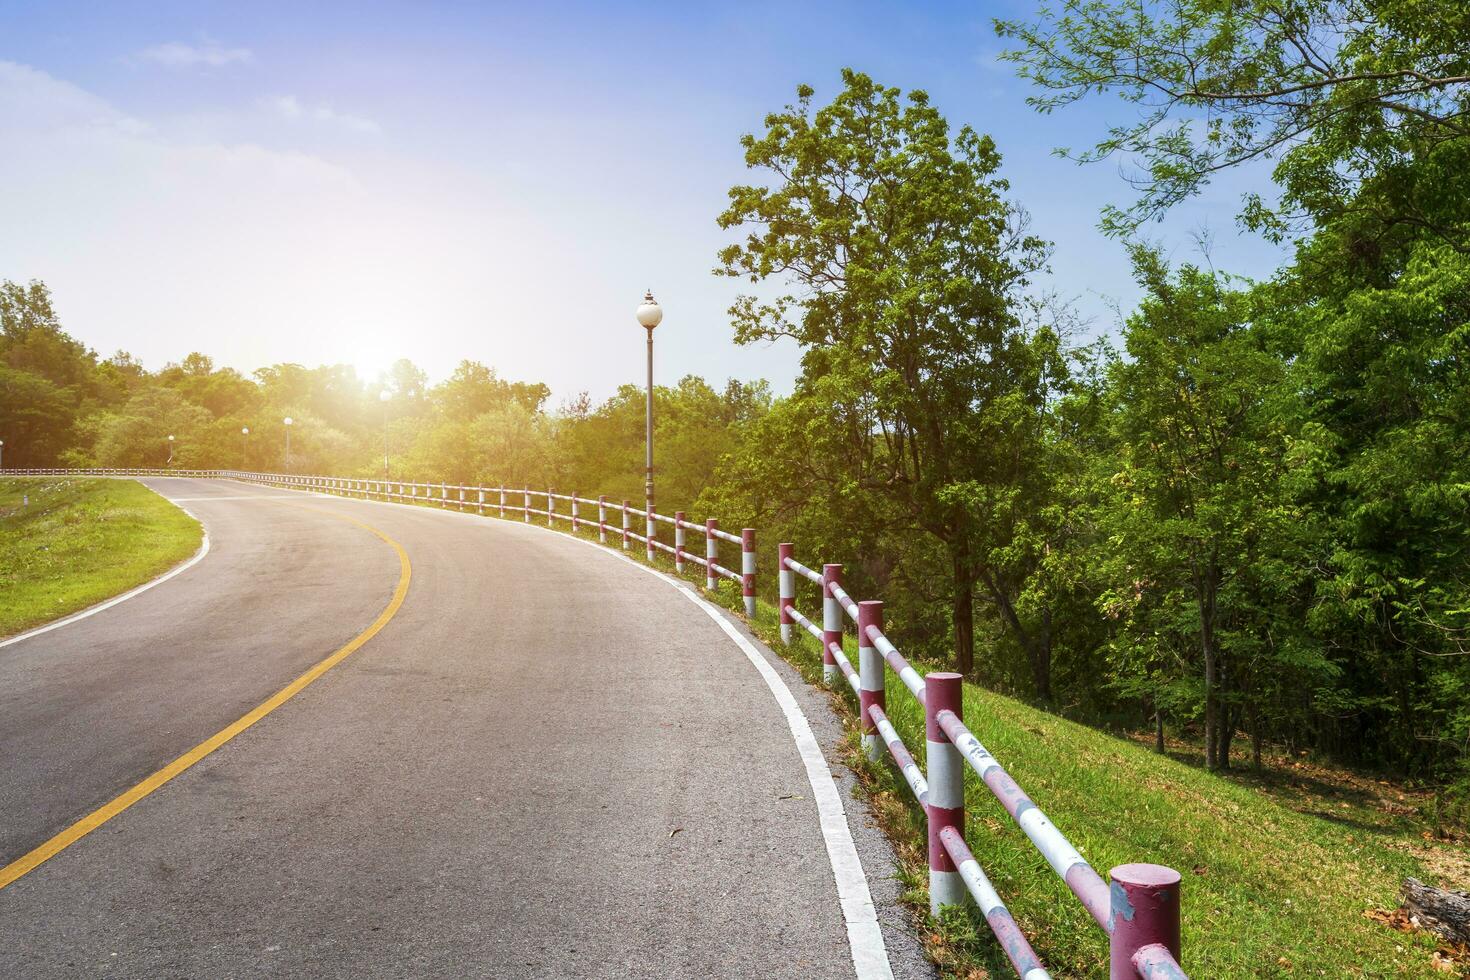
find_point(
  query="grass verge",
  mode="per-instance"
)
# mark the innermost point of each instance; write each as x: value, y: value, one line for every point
x: 1273, y: 886
x: 78, y: 542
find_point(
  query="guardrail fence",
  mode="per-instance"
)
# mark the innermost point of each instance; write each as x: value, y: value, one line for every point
x: 1139, y: 912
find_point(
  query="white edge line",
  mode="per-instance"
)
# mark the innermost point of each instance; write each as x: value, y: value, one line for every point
x: 864, y: 934
x: 94, y: 610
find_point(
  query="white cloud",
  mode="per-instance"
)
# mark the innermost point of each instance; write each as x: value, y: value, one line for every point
x: 291, y: 108
x: 207, y: 54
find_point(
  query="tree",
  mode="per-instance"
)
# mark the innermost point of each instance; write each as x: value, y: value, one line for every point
x: 47, y: 379
x: 904, y: 262
x: 1338, y: 92
x: 1199, y: 539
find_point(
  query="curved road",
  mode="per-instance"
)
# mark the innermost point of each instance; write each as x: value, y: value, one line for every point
x: 547, y: 763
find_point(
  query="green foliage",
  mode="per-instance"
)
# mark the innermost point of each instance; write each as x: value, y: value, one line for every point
x: 1337, y: 92
x: 905, y: 265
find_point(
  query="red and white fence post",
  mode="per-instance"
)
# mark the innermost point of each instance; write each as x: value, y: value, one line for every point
x: 711, y: 554
x: 831, y: 621
x: 526, y: 508
x: 1144, y: 922
x: 443, y: 494
x: 482, y: 500
x: 747, y: 570
x: 602, y: 518
x: 650, y: 532
x: 502, y: 501
x: 550, y: 508
x: 870, y: 676
x: 679, y: 541
x: 574, y: 512
x: 943, y: 691
x: 625, y: 525
x: 786, y: 584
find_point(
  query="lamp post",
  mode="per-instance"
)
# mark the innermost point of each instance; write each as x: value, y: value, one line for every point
x: 649, y: 315
x: 245, y: 447
x: 2, y: 454
x: 385, y: 396
x: 170, y: 451
x: 288, y: 443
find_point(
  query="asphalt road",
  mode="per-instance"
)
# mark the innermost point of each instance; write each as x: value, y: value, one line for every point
x: 548, y: 763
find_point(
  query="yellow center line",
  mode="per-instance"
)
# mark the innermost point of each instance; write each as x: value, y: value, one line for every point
x: 29, y: 862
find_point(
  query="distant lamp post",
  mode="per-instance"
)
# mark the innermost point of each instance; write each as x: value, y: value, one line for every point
x: 385, y: 396
x: 650, y: 314
x: 170, y: 451
x: 245, y: 447
x: 288, y: 443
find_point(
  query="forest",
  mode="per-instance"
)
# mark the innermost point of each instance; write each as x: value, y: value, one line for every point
x: 1242, y: 514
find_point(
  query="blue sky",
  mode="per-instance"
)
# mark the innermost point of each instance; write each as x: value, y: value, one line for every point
x: 331, y: 182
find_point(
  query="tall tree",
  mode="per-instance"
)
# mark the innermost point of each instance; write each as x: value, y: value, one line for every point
x: 1197, y: 506
x: 904, y: 263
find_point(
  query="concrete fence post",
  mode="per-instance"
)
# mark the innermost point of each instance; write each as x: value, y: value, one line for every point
x: 747, y: 570
x: 786, y: 584
x: 526, y: 510
x: 602, y: 518
x: 625, y: 525
x: 550, y: 508
x: 443, y: 494
x: 711, y: 554
x: 679, y: 541
x: 943, y: 691
x: 1144, y: 915
x: 481, y: 491
x: 413, y: 491
x: 871, y: 676
x: 574, y: 512
x: 831, y: 621
x: 502, y: 501
x: 461, y: 498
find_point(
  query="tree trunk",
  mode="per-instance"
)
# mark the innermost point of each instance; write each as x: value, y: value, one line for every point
x: 1227, y: 735
x: 1257, y: 737
x: 1226, y: 718
x: 1444, y: 913
x: 1041, y: 663
x: 963, y: 612
x: 1158, y: 731
x: 1212, y: 703
x: 1205, y: 584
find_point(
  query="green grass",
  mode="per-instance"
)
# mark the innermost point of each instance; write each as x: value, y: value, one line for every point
x: 1268, y: 891
x: 80, y: 541
x: 1276, y: 884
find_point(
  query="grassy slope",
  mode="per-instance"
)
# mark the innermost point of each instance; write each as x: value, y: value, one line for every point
x: 81, y: 541
x: 1269, y: 891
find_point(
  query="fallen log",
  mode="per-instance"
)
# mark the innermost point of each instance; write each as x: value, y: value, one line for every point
x: 1445, y: 913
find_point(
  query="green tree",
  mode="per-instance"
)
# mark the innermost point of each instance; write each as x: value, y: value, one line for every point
x: 1199, y: 539
x: 904, y: 263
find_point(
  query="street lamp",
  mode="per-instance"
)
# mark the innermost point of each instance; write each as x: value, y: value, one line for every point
x: 245, y: 447
x: 288, y: 443
x: 385, y: 396
x: 650, y: 314
x: 170, y: 451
